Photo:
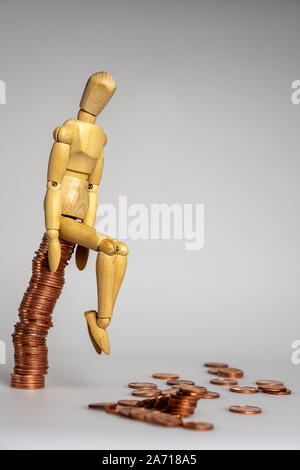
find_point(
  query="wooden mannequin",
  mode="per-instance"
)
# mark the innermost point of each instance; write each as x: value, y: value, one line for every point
x: 74, y: 174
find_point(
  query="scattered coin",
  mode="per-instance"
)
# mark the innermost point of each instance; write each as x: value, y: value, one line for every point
x: 102, y: 406
x: 195, y: 390
x: 216, y: 365
x: 128, y: 402
x: 138, y: 413
x: 166, y: 419
x: 231, y: 372
x: 210, y: 395
x: 124, y: 411
x: 268, y: 382
x: 165, y: 376
x: 243, y: 389
x: 223, y: 381
x: 147, y: 392
x: 197, y: 426
x: 141, y: 385
x: 168, y: 391
x: 168, y: 407
x: 151, y: 416
x: 180, y: 382
x: 272, y: 388
x: 245, y: 409
x: 278, y: 392
x: 213, y: 371
x: 112, y: 411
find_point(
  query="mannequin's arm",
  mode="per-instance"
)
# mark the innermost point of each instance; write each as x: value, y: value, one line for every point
x: 52, y: 203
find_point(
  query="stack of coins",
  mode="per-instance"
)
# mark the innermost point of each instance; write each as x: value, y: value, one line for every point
x: 184, y: 401
x: 157, y: 403
x: 35, y: 318
x: 273, y: 387
x: 149, y: 415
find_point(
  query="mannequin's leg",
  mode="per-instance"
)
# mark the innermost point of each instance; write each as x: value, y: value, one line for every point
x: 110, y: 274
x: 121, y: 265
x: 106, y: 272
x: 110, y: 269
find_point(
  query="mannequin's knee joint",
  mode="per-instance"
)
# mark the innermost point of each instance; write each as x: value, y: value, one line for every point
x: 113, y: 247
x: 107, y: 247
x: 122, y: 249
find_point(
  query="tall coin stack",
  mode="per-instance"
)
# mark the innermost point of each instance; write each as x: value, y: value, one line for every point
x: 35, y: 314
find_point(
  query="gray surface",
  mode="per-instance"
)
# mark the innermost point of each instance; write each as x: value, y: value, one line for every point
x: 58, y: 417
x: 202, y: 114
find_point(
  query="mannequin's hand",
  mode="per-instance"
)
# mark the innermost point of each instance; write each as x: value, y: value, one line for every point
x: 54, y: 250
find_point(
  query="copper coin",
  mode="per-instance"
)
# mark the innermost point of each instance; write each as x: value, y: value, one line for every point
x: 138, y: 413
x: 128, y: 402
x: 142, y: 385
x: 278, y: 392
x: 146, y: 392
x: 27, y: 387
x: 35, y: 378
x: 25, y: 377
x: 39, y: 380
x: 147, y: 403
x: 215, y: 365
x: 195, y: 390
x: 243, y: 389
x: 231, y: 372
x: 168, y: 391
x: 223, y: 381
x: 199, y: 388
x: 102, y: 406
x: 166, y: 419
x: 197, y: 425
x: 160, y: 401
x: 213, y: 371
x: 272, y: 388
x: 210, y: 395
x: 112, y: 410
x: 189, y: 389
x: 182, y: 406
x: 182, y: 402
x: 180, y: 382
x: 262, y: 383
x: 165, y: 376
x: 245, y: 409
x: 124, y: 411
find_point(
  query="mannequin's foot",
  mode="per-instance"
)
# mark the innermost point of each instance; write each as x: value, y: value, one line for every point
x: 97, y: 334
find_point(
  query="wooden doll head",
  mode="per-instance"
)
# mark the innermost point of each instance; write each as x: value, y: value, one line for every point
x: 99, y: 89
